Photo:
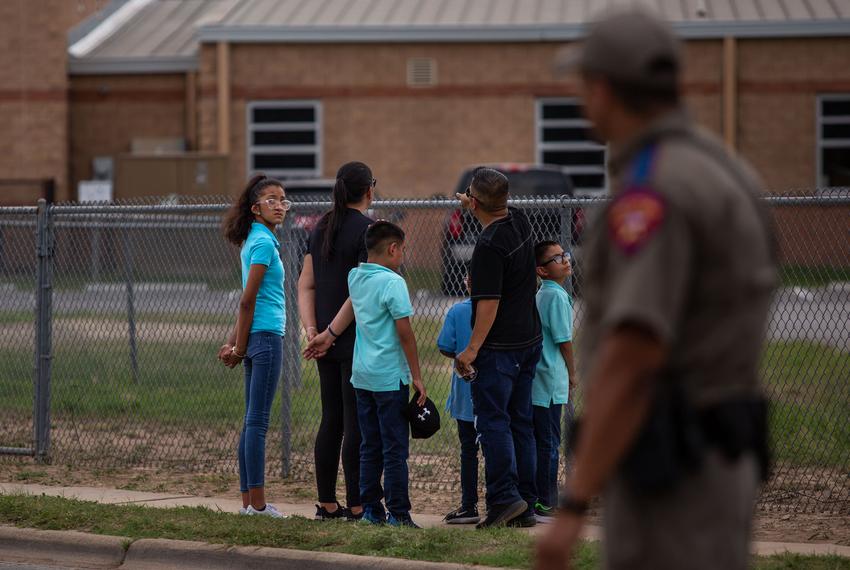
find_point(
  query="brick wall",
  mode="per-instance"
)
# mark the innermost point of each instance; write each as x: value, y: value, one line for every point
x: 416, y: 139
x: 779, y: 83
x: 108, y: 111
x: 33, y: 92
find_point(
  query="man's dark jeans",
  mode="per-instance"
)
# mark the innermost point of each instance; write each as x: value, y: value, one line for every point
x: 501, y: 395
x: 384, y: 432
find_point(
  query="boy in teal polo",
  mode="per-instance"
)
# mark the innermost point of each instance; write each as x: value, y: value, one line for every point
x: 555, y: 371
x: 385, y: 363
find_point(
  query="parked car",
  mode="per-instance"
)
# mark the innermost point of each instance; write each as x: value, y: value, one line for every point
x: 461, y: 229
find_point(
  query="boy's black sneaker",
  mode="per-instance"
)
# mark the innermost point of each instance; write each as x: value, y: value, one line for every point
x: 463, y: 515
x: 500, y: 515
x: 322, y: 513
x: 525, y: 520
x: 401, y: 520
x: 543, y: 513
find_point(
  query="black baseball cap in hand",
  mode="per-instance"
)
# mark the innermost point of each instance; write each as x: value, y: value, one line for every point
x: 424, y: 420
x: 632, y: 46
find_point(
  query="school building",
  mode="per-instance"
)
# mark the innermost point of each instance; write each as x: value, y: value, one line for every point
x: 418, y: 89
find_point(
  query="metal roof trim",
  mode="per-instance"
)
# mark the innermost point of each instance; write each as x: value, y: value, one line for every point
x: 131, y: 65
x: 707, y: 29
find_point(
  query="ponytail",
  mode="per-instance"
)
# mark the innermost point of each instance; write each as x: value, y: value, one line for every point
x: 237, y: 222
x: 353, y: 180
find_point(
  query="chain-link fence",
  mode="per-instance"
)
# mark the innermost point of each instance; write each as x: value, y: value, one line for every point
x: 113, y: 314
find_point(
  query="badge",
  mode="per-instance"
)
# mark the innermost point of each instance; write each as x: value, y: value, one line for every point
x: 634, y: 217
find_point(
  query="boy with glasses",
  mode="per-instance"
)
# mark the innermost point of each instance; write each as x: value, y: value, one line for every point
x: 555, y: 372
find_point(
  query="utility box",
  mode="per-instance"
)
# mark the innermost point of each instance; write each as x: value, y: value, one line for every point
x: 186, y: 174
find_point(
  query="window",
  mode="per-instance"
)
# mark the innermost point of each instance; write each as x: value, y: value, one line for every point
x: 284, y: 138
x: 834, y: 141
x: 563, y: 137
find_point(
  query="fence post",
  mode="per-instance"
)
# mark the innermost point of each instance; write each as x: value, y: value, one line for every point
x: 44, y: 332
x: 131, y: 310
x: 566, y: 239
x: 291, y: 373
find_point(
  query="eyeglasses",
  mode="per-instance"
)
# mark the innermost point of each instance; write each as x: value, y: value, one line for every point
x: 469, y: 193
x: 374, y: 182
x: 273, y: 202
x: 560, y: 258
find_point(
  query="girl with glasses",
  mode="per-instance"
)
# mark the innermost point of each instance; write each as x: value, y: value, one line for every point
x: 257, y: 339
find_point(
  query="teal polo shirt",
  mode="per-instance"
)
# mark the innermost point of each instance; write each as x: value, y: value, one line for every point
x: 380, y: 298
x: 262, y: 248
x: 551, y: 383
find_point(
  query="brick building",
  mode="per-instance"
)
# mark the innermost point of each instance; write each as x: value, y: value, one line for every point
x: 417, y: 89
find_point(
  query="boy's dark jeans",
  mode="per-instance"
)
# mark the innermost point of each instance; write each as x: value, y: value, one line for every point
x: 501, y: 395
x: 547, y: 435
x: 384, y: 432
x: 468, y: 463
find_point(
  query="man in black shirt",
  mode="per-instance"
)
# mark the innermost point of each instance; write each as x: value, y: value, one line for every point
x: 504, y: 348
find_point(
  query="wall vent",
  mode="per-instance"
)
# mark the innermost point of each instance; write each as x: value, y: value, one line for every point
x: 421, y: 72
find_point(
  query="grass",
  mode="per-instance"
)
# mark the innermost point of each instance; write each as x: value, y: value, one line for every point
x: 803, y: 276
x: 497, y: 547
x: 181, y: 385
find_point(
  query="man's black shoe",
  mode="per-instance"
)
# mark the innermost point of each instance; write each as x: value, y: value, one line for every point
x: 525, y: 520
x: 500, y: 515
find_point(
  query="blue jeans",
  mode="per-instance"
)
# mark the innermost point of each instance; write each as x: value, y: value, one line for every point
x: 547, y: 435
x: 468, y: 463
x: 501, y: 396
x: 263, y: 363
x: 384, y: 443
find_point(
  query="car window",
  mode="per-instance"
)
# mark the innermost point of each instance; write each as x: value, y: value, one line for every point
x: 529, y: 183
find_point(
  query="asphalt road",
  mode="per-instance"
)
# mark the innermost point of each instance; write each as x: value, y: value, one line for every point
x: 818, y: 314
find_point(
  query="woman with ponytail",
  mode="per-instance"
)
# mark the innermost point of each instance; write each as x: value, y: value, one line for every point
x: 257, y: 338
x: 336, y: 246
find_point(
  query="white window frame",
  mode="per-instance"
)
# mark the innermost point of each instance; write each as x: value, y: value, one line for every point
x: 828, y: 143
x: 542, y: 147
x: 316, y: 148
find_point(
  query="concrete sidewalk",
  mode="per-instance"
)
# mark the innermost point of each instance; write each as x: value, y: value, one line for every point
x: 232, y: 505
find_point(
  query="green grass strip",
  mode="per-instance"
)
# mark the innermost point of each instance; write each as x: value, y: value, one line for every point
x: 498, y: 547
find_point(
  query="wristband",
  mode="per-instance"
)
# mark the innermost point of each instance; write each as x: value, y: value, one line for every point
x: 333, y: 334
x: 236, y: 354
x: 572, y: 505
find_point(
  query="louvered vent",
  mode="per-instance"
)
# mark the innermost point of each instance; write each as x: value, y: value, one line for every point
x: 421, y: 72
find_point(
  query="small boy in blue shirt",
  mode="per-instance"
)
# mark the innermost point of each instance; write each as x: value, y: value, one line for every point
x: 555, y: 371
x: 385, y: 362
x: 453, y: 339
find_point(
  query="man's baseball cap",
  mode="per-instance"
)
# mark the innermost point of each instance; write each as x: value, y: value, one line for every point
x: 632, y: 46
x: 424, y: 420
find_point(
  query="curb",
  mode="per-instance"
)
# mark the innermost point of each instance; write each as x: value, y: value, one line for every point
x: 156, y: 554
x: 79, y: 549
x: 65, y: 547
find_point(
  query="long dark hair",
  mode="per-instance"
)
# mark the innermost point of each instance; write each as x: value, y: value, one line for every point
x: 238, y: 220
x: 353, y: 180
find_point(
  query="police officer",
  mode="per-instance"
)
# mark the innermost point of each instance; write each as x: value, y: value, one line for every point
x: 679, y: 272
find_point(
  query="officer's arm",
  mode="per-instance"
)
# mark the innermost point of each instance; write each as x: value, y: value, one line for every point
x: 618, y: 398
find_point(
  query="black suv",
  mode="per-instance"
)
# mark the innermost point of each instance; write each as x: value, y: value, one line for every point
x: 526, y: 181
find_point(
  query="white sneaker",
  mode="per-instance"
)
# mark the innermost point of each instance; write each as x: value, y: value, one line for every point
x: 243, y: 511
x: 269, y: 511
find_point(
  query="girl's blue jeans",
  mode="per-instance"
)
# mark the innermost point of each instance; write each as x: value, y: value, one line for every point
x: 263, y: 363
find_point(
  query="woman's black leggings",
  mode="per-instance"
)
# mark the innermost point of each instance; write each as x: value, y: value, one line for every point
x: 339, y: 430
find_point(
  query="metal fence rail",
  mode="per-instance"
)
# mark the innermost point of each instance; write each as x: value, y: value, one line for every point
x: 111, y: 316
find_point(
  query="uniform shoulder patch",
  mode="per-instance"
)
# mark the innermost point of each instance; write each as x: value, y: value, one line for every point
x: 634, y: 217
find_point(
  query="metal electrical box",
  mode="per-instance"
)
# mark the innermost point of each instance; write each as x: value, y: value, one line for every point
x: 188, y: 174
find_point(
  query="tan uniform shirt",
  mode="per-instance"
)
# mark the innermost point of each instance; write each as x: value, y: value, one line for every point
x: 688, y: 256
